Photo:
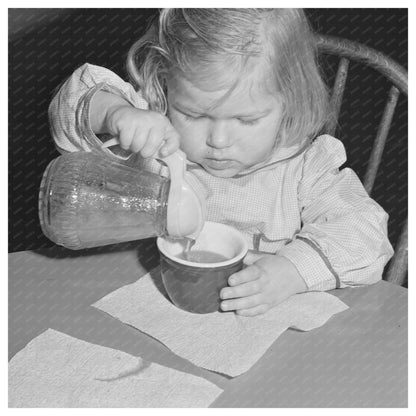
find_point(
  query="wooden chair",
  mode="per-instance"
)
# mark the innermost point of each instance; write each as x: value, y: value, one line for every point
x: 397, y: 75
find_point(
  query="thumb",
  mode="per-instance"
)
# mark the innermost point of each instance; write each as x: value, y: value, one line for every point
x: 171, y: 141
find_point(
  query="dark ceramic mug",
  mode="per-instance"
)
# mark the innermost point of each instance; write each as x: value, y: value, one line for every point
x: 195, y: 286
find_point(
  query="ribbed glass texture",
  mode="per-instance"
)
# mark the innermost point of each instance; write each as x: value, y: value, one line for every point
x: 87, y: 200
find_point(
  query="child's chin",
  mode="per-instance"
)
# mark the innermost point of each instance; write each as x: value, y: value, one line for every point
x: 222, y: 173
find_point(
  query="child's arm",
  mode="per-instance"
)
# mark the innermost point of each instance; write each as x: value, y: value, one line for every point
x: 137, y: 130
x: 69, y: 110
x: 343, y: 240
x: 344, y: 232
x: 94, y: 101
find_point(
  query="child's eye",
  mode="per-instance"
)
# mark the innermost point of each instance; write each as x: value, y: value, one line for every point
x: 248, y: 122
x: 192, y: 118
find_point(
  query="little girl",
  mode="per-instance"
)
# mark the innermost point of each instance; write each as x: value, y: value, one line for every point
x: 239, y: 91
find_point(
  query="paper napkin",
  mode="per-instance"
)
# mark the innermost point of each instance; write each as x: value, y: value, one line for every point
x: 57, y: 370
x: 223, y: 342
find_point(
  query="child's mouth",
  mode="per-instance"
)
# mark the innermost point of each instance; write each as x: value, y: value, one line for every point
x: 219, y: 164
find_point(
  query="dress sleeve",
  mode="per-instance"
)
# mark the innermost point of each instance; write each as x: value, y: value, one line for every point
x: 343, y: 240
x: 68, y: 113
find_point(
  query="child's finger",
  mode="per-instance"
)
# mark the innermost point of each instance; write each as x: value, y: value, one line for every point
x: 241, y: 303
x: 245, y: 289
x: 138, y: 140
x: 248, y: 274
x: 152, y: 144
x: 126, y: 138
x: 256, y: 310
x: 171, y: 144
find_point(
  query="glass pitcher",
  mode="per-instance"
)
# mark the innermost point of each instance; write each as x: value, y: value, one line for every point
x: 89, y: 200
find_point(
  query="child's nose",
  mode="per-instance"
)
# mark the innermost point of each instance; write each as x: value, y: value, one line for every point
x: 218, y: 136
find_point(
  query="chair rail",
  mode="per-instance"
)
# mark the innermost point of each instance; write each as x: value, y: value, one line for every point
x: 364, y: 54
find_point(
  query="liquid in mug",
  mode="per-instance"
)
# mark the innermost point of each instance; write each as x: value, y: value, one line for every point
x: 202, y: 256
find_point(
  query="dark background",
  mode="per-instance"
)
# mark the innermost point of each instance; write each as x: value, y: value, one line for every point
x: 46, y: 45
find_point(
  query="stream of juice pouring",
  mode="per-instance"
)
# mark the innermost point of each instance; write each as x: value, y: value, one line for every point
x: 190, y: 242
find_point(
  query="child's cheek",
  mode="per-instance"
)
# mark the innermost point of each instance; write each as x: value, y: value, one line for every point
x: 193, y: 144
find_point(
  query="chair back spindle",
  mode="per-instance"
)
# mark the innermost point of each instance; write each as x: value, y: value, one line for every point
x: 337, y: 95
x: 398, y: 265
x: 380, y: 140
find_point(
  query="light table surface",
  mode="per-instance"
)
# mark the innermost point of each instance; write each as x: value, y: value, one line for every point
x: 357, y: 359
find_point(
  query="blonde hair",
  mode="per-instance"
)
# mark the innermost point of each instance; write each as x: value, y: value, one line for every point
x: 193, y: 41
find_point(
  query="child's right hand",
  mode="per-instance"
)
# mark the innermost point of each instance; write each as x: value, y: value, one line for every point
x: 141, y: 131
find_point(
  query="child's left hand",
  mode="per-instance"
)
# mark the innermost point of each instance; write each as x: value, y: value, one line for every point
x: 260, y: 286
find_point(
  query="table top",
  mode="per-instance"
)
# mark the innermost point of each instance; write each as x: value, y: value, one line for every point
x: 357, y: 359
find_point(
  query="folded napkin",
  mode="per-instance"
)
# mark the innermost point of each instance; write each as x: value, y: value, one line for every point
x: 57, y: 370
x: 223, y: 342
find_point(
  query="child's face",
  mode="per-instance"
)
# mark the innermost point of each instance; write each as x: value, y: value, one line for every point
x: 225, y: 134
